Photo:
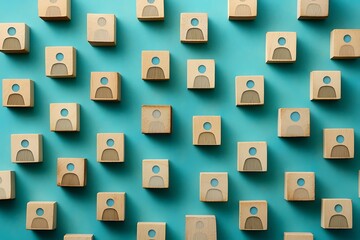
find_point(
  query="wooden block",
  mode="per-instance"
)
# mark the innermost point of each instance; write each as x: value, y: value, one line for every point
x: 299, y: 186
x: 54, y: 10
x: 336, y: 213
x: 253, y: 215
x: 313, y: 9
x: 26, y: 148
x: 150, y: 10
x: 41, y: 215
x: 294, y: 122
x: 18, y: 93
x: 105, y: 86
x: 280, y: 47
x: 206, y: 130
x: 325, y: 85
x: 71, y: 172
x: 60, y: 62
x: 214, y: 186
x: 110, y: 206
x: 151, y: 230
x: 194, y: 27
x: 155, y: 65
x: 14, y: 38
x: 252, y: 157
x: 64, y: 117
x: 201, y: 74
x: 156, y: 119
x: 249, y: 90
x: 242, y: 9
x: 79, y: 237
x: 200, y: 227
x: 345, y: 44
x: 338, y: 143
x: 298, y: 236
x: 101, y: 29
x: 155, y: 173
x: 110, y: 147
x: 7, y: 185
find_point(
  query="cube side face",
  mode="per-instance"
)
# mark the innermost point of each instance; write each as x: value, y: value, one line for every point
x: 325, y: 85
x: 146, y: 11
x: 79, y: 237
x: 26, y: 148
x: 105, y: 86
x: 64, y: 117
x: 253, y: 215
x: 206, y: 130
x: 298, y: 236
x: 310, y: 9
x: 201, y: 74
x: 345, y: 44
x: 281, y: 47
x: 101, y: 29
x: 155, y: 65
x: 60, y: 62
x: 299, y: 186
x: 7, y: 185
x: 143, y: 229
x: 242, y: 10
x: 14, y: 38
x: 205, y: 224
x: 57, y: 11
x: 252, y: 156
x: 213, y: 187
x: 71, y: 172
x: 336, y: 213
x: 338, y: 143
x: 18, y: 93
x: 155, y: 173
x: 294, y: 122
x: 249, y: 90
x: 110, y: 147
x: 41, y: 215
x: 110, y: 206
x: 194, y: 27
x: 156, y: 119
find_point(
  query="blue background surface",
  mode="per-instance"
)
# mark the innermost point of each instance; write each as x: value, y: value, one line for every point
x: 239, y: 49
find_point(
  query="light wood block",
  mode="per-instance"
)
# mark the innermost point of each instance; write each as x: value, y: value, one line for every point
x: 156, y: 119
x: 105, y: 86
x: 14, y: 38
x: 151, y: 230
x: 155, y: 65
x: 147, y: 10
x: 201, y: 74
x: 249, y: 90
x: 41, y: 215
x: 101, y: 29
x: 345, y: 44
x: 60, y: 62
x: 200, y: 227
x: 253, y: 215
x: 298, y: 236
x: 336, y: 213
x: 110, y: 147
x: 26, y: 148
x: 313, y: 9
x: 280, y: 47
x: 242, y: 9
x: 206, y: 130
x: 194, y: 27
x: 18, y: 93
x: 299, y: 186
x: 79, y: 237
x: 110, y: 206
x: 339, y: 143
x: 252, y: 157
x: 155, y: 173
x: 214, y: 186
x: 7, y: 185
x: 71, y: 172
x: 64, y: 117
x: 294, y: 122
x: 54, y: 10
x: 325, y: 85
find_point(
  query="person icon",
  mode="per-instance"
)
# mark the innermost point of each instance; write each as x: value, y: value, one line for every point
x: 155, y: 72
x: 53, y: 10
x: 101, y: 34
x: 15, y: 98
x: 70, y: 179
x: 338, y: 220
x: 104, y: 91
x: 64, y: 124
x: 199, y: 234
x: 59, y: 68
x: 347, y: 49
x: 110, y: 214
x: 214, y: 193
x: 156, y: 181
x: 250, y: 95
x: 253, y: 222
x: 39, y: 222
x: 150, y: 10
x: 281, y: 52
x: 25, y: 155
x: 301, y: 193
x: 313, y: 9
x: 12, y: 42
x: 252, y: 163
x: 156, y: 125
x: 243, y: 9
x: 110, y: 154
x: 2, y: 190
x: 326, y: 91
x: 340, y: 150
x: 201, y: 80
x: 295, y: 128
x: 207, y: 137
x: 194, y: 33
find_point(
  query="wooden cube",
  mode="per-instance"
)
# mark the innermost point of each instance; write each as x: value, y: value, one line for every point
x: 253, y: 215
x: 345, y: 44
x: 18, y: 93
x: 150, y: 10
x: 7, y: 185
x: 110, y: 206
x: 79, y: 237
x: 336, y: 213
x: 206, y: 130
x: 249, y: 90
x: 201, y: 74
x: 71, y: 172
x: 54, y: 10
x: 200, y: 227
x: 242, y: 9
x: 252, y: 157
x: 14, y: 38
x: 338, y: 143
x: 294, y: 122
x: 60, y: 62
x: 105, y: 86
x: 64, y: 117
x: 298, y: 236
x: 313, y: 9
x: 325, y: 85
x: 299, y: 186
x: 214, y: 186
x: 280, y: 47
x: 41, y: 215
x: 155, y: 173
x: 110, y: 147
x: 101, y: 29
x: 151, y: 230
x: 155, y: 65
x: 194, y: 27
x: 26, y: 148
x: 156, y: 119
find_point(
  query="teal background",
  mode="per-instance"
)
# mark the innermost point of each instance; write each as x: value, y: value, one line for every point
x: 239, y: 49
